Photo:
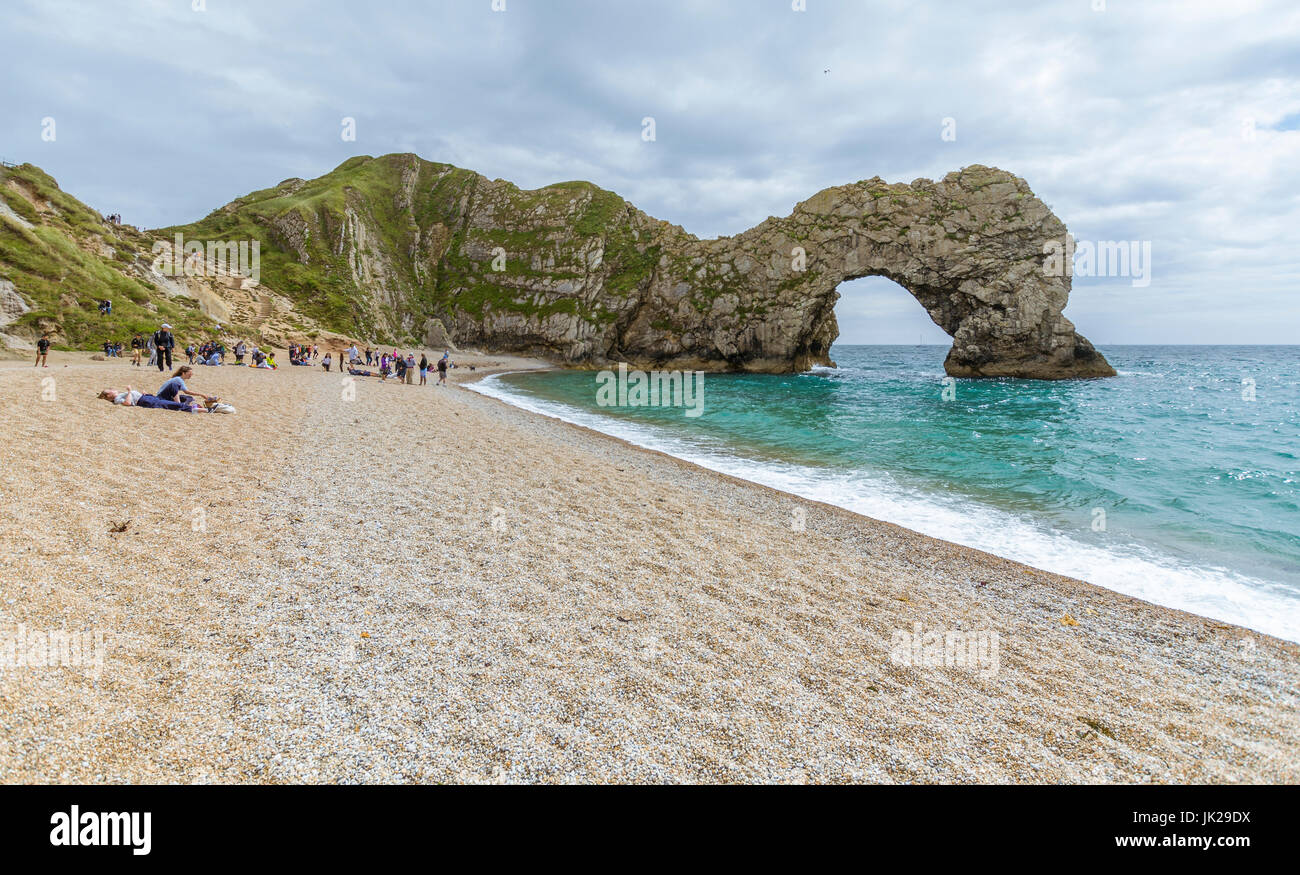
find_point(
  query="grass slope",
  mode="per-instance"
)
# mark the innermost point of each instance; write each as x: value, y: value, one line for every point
x: 57, y: 266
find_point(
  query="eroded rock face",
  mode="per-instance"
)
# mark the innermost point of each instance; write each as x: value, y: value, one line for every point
x: 11, y: 303
x: 970, y: 248
x: 575, y: 273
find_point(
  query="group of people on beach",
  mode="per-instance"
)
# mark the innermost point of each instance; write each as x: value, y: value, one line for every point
x: 162, y: 343
x: 304, y: 355
x: 396, y: 365
x: 403, y: 368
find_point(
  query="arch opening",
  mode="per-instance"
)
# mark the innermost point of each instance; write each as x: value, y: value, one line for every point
x: 877, y: 311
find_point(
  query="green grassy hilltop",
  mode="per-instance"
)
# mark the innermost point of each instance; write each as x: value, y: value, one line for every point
x: 62, y: 258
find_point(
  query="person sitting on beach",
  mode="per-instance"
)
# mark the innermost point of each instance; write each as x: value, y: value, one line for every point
x: 172, y: 389
x: 270, y: 362
x: 327, y: 362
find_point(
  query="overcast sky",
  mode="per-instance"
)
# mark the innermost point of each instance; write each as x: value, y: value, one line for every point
x: 1176, y: 123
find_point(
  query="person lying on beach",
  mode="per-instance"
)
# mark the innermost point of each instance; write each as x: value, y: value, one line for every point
x: 172, y: 389
x: 127, y: 398
x: 358, y: 372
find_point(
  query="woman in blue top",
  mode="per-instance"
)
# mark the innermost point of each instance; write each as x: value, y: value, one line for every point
x: 172, y: 389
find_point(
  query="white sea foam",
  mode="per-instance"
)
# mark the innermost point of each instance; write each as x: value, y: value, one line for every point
x: 1131, y: 569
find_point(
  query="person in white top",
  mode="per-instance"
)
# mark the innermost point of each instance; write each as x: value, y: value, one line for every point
x: 127, y: 398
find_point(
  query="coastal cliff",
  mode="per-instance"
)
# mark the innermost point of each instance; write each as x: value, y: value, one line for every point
x: 399, y: 249
x: 411, y: 249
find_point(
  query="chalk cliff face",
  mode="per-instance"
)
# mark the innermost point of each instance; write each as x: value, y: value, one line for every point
x: 398, y: 248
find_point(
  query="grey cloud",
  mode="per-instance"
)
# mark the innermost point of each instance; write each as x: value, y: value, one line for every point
x: 1128, y: 123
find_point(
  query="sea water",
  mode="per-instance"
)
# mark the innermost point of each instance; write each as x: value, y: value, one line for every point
x: 1177, y: 481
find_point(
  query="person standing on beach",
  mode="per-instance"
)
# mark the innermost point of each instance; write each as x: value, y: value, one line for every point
x: 410, y: 368
x: 442, y: 371
x: 43, y: 351
x: 424, y: 369
x: 137, y: 349
x: 172, y: 389
x: 164, y: 343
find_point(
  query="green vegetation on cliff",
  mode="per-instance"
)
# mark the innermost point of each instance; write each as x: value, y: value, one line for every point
x: 380, y: 246
x: 63, y: 259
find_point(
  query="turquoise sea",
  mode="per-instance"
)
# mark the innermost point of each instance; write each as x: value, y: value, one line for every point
x: 1177, y: 481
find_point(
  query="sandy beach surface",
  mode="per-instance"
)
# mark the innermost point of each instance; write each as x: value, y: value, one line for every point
x: 375, y: 582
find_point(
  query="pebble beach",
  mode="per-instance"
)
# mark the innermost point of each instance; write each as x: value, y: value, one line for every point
x: 358, y: 582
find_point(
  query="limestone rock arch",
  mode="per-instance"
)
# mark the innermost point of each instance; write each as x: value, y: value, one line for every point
x: 970, y: 248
